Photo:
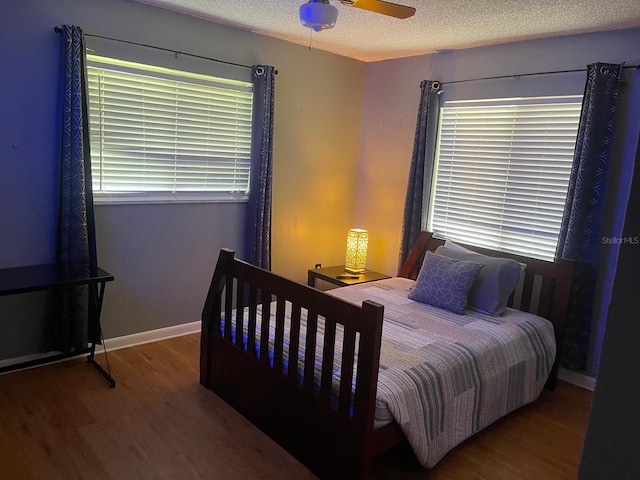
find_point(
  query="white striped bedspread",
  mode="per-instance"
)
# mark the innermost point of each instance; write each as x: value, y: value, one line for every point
x: 443, y: 376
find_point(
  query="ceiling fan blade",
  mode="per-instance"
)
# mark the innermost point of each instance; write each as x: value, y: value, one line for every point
x: 379, y: 6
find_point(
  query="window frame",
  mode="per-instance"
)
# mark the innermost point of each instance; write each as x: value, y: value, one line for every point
x: 473, y: 234
x: 141, y: 196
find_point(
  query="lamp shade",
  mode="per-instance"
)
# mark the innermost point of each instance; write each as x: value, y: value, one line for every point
x: 357, y: 241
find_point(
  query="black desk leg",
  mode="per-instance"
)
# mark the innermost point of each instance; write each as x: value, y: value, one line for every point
x: 97, y: 295
x: 106, y: 374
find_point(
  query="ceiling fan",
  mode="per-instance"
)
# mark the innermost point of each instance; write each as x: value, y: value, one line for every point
x: 320, y: 14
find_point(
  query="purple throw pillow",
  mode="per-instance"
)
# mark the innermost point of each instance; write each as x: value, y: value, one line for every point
x: 445, y: 282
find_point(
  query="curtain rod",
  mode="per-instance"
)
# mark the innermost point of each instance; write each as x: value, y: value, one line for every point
x: 526, y: 75
x: 59, y: 30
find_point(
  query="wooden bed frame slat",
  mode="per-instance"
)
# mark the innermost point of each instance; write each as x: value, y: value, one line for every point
x: 336, y: 441
x: 527, y: 293
x: 279, y: 336
x: 310, y: 352
x: 251, y: 324
x: 368, y: 365
x: 294, y: 342
x: 546, y: 294
x: 346, y: 372
x: 239, y: 307
x: 228, y: 307
x: 328, y: 352
x: 264, y: 330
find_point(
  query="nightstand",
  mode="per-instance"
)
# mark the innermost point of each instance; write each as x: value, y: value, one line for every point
x: 331, y: 274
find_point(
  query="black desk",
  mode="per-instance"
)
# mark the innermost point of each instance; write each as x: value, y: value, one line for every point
x: 45, y: 277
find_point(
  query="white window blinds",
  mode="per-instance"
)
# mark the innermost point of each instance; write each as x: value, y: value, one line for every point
x: 163, y: 134
x: 502, y: 172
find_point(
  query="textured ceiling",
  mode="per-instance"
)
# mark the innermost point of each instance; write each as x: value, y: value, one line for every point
x: 452, y: 24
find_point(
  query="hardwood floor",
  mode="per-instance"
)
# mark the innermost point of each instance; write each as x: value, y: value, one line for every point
x: 63, y: 421
x: 541, y: 441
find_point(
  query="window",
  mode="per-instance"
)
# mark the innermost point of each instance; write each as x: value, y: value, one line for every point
x: 502, y: 172
x: 159, y: 134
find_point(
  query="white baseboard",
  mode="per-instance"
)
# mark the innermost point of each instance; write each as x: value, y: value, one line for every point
x: 26, y: 358
x: 116, y: 343
x: 579, y: 379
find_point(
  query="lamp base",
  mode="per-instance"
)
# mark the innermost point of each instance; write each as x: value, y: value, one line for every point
x: 354, y: 270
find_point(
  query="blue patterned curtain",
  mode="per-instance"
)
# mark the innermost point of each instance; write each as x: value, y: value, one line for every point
x: 258, y: 224
x: 421, y: 170
x: 76, y: 244
x: 581, y: 232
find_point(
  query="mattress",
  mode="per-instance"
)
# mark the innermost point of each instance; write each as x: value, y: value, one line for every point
x: 444, y: 376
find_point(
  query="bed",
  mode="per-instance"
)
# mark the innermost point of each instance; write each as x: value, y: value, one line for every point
x: 312, y: 369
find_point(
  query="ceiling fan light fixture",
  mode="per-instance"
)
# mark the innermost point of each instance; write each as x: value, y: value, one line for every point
x: 318, y: 15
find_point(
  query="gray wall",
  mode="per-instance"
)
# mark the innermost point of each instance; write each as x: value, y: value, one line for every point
x: 338, y: 144
x: 390, y: 110
x: 163, y: 255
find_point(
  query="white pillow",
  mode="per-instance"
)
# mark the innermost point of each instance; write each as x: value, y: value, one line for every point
x: 459, y: 248
x: 455, y: 246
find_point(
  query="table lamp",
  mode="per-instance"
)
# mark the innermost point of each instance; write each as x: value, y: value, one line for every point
x: 357, y: 241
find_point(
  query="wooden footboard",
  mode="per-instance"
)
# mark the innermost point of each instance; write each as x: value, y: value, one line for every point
x: 330, y: 431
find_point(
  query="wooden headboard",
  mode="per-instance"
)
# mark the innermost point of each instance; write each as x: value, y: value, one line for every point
x: 543, y: 289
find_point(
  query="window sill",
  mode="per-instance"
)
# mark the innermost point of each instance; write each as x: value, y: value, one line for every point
x: 166, y: 198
